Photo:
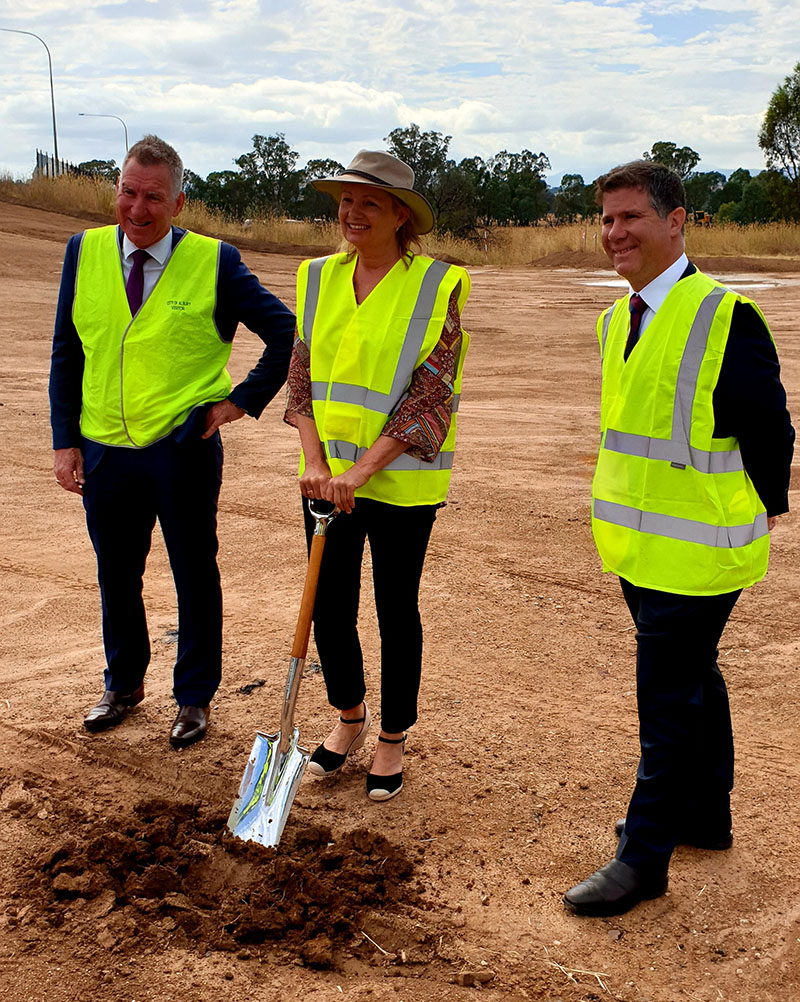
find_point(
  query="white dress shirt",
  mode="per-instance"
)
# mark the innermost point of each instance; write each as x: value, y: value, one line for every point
x: 656, y: 291
x: 153, y: 267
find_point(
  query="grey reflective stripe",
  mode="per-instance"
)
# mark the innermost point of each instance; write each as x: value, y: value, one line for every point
x: 728, y: 461
x: 349, y: 451
x: 361, y: 396
x: 685, y: 529
x: 689, y: 370
x: 606, y: 325
x: 417, y: 326
x: 312, y: 297
x: 678, y: 449
x: 349, y: 393
x: 456, y: 401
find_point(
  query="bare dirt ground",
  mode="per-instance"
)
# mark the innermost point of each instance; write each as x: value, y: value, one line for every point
x: 117, y: 880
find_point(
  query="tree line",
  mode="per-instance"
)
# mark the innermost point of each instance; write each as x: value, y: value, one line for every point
x: 507, y: 189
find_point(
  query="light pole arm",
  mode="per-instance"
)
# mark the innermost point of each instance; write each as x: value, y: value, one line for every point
x: 17, y: 31
x: 92, y: 114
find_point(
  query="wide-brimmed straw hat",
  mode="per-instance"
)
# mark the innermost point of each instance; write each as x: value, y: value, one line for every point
x: 384, y: 171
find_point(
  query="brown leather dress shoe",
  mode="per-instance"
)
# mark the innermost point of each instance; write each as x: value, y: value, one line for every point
x: 615, y: 888
x: 190, y: 725
x: 111, y: 709
x: 714, y: 841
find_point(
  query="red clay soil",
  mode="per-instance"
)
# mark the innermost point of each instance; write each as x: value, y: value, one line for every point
x: 118, y: 879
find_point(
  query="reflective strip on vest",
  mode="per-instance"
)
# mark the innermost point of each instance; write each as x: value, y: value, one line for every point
x: 312, y: 294
x: 350, y: 452
x: 678, y: 449
x: 686, y: 529
x: 361, y: 396
x: 606, y: 325
x: 348, y: 394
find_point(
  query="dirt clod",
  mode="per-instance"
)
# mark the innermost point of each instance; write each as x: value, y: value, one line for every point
x: 171, y: 868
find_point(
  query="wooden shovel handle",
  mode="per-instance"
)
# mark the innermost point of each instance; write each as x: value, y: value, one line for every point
x: 303, y: 631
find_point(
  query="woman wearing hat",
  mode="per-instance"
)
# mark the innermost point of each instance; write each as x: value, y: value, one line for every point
x: 373, y: 384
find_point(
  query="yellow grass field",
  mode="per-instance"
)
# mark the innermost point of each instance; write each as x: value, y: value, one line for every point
x: 493, y: 246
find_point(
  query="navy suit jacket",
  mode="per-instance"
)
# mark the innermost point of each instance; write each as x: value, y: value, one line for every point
x: 240, y: 299
x: 750, y: 404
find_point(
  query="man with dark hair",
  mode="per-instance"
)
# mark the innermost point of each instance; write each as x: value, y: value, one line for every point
x: 692, y: 472
x: 139, y: 388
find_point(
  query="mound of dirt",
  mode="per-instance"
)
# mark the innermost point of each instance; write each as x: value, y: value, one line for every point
x: 168, y: 873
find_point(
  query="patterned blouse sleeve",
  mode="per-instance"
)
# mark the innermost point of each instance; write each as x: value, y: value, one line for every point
x: 422, y: 418
x: 298, y: 384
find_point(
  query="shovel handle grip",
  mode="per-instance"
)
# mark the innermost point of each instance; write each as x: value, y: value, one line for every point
x: 303, y: 631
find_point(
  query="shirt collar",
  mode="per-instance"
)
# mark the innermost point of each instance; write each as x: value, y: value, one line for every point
x: 655, y: 292
x: 159, y: 250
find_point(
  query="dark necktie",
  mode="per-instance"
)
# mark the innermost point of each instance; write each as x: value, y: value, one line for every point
x: 637, y: 306
x: 135, y: 284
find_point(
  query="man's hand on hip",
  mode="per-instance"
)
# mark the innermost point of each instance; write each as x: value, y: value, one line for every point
x: 220, y: 414
x: 68, y: 468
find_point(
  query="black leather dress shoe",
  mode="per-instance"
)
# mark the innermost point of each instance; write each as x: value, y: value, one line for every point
x: 615, y: 888
x: 715, y: 841
x: 190, y: 725
x: 111, y: 709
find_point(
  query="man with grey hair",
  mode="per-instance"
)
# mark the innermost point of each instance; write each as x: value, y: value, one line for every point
x: 139, y: 388
x: 692, y: 474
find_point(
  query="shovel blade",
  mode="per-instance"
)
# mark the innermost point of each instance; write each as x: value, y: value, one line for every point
x: 267, y: 789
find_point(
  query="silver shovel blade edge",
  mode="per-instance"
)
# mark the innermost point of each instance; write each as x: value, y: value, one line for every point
x: 267, y: 789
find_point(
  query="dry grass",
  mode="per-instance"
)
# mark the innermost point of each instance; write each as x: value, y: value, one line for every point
x: 756, y: 240
x: 272, y: 229
x: 523, y: 245
x: 518, y: 245
x: 68, y: 193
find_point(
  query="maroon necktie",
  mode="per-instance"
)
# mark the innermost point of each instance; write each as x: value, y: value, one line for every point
x: 135, y: 284
x: 637, y: 306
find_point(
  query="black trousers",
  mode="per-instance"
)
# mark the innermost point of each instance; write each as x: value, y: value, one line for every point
x: 178, y: 484
x: 398, y: 538
x: 685, y: 772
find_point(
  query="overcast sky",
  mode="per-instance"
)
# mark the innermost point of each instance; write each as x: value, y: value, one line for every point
x: 590, y: 83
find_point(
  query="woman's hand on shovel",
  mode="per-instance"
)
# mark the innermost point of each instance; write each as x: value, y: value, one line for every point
x: 341, y: 490
x: 315, y: 478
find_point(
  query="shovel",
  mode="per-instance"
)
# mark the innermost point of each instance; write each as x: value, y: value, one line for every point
x: 278, y: 761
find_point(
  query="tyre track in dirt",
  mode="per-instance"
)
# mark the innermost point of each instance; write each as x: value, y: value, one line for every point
x: 34, y: 758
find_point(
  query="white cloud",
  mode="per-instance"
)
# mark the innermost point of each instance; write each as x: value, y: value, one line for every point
x: 588, y: 82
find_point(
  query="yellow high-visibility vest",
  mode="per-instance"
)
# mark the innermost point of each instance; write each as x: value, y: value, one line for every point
x: 363, y: 358
x: 672, y: 507
x: 143, y: 375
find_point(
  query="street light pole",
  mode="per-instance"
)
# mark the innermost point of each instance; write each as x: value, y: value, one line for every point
x: 16, y: 31
x: 91, y: 114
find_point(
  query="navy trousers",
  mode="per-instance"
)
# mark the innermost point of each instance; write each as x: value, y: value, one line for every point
x: 398, y: 538
x: 685, y: 772
x: 177, y: 482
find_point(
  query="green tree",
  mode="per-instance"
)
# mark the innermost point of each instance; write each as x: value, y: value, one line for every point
x: 230, y: 192
x: 452, y: 189
x: 517, y: 191
x: 193, y: 185
x: 313, y: 204
x: 700, y: 188
x: 270, y: 167
x: 779, y: 137
x: 682, y: 160
x: 100, y: 168
x: 731, y: 192
x: 574, y: 199
x: 477, y: 174
x: 756, y: 205
x: 784, y: 195
x: 424, y: 152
